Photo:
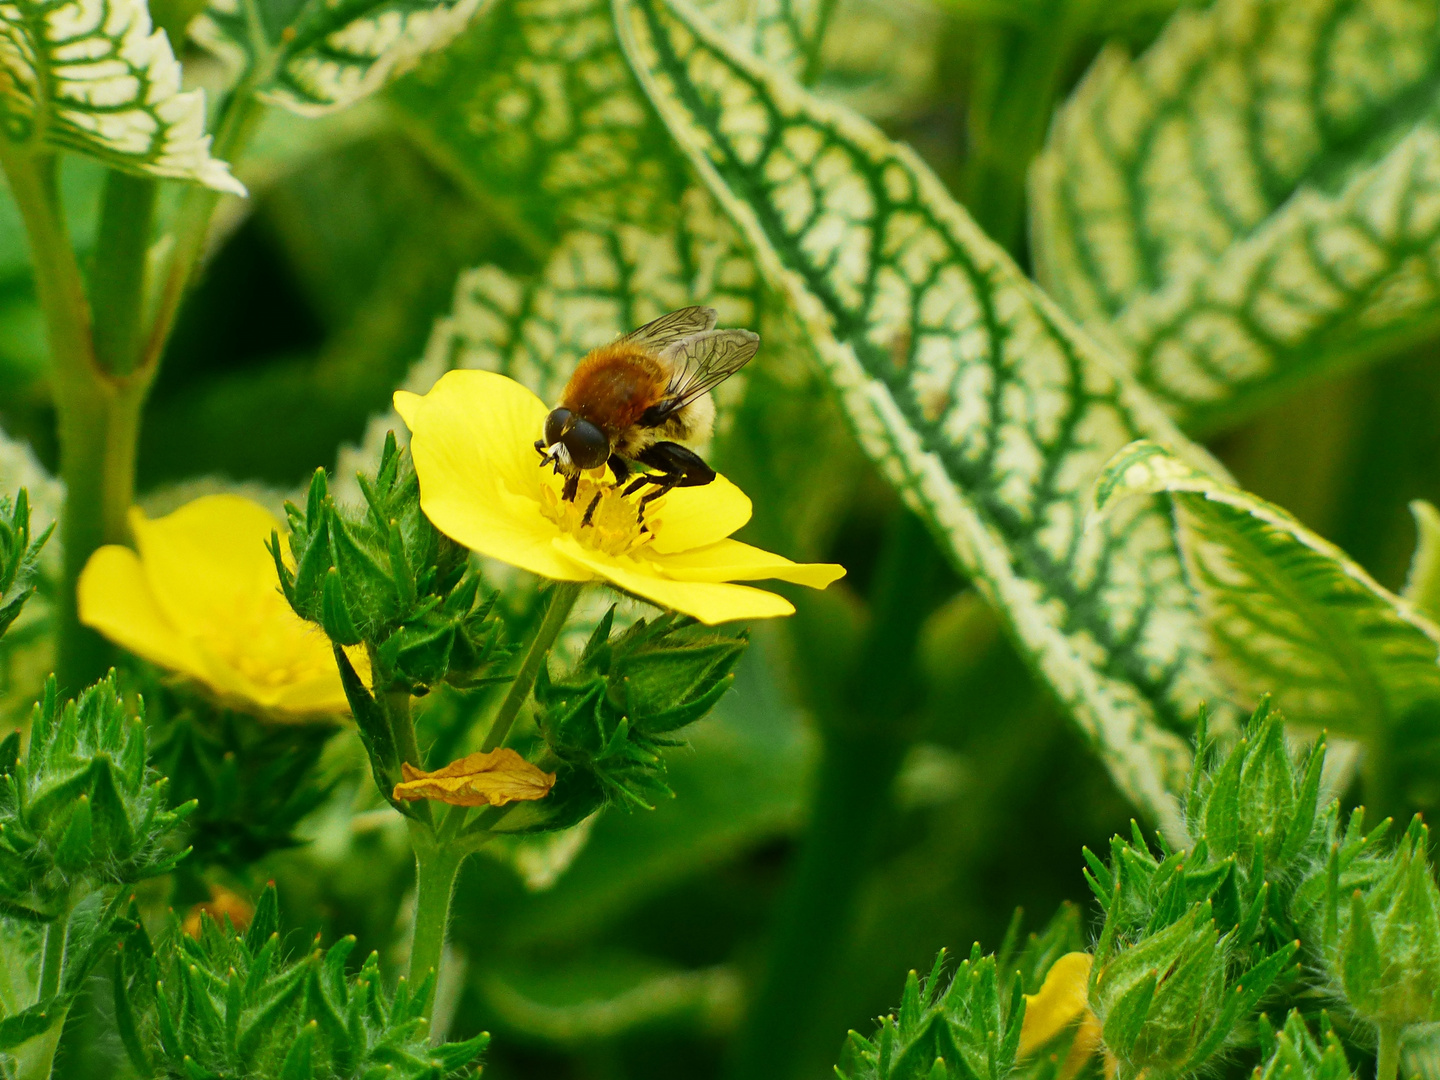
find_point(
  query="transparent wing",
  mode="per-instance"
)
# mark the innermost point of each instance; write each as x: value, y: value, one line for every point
x: 702, y: 362
x: 673, y: 327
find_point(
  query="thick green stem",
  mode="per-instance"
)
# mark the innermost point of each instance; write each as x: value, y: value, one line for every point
x: 1387, y: 1061
x: 35, y: 1058
x: 436, y: 865
x: 98, y: 415
x: 864, y: 743
x: 117, y: 283
x: 563, y: 595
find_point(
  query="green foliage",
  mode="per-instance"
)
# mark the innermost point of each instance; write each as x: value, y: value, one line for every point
x: 228, y: 1005
x: 81, y: 807
x: 610, y: 716
x: 967, y: 1029
x: 252, y: 783
x: 19, y: 557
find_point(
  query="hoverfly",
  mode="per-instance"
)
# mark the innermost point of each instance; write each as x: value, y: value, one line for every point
x: 635, y: 401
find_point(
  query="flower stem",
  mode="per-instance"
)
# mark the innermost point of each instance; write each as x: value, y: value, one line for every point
x: 98, y: 415
x: 562, y: 598
x: 35, y: 1058
x: 52, y: 958
x: 865, y: 738
x: 117, y: 282
x: 436, y: 866
x: 1387, y: 1061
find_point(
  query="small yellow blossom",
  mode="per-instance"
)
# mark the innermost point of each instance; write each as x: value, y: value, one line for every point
x: 223, y: 904
x: 1062, y: 1001
x: 482, y: 484
x: 200, y: 597
x: 481, y: 779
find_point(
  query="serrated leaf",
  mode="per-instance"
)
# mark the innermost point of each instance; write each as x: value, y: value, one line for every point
x: 982, y: 404
x: 92, y: 76
x: 1290, y: 612
x: 1254, y: 200
x: 313, y: 56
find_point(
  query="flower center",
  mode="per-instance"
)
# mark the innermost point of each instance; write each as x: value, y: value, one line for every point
x: 266, y: 643
x: 614, y: 525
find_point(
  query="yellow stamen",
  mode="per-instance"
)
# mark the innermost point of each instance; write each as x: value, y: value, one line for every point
x: 615, y: 527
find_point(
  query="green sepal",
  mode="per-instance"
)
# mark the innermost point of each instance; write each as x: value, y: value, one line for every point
x: 19, y: 557
x: 334, y: 614
x: 22, y: 1026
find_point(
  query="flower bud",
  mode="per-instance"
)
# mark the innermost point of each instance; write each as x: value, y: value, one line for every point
x: 1295, y: 1055
x: 1384, y: 941
x: 389, y: 579
x: 18, y: 557
x: 612, y: 714
x: 80, y: 803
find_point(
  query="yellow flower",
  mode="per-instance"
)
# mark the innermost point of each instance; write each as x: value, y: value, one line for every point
x: 482, y: 484
x: 201, y: 598
x: 223, y: 904
x: 482, y: 779
x: 1061, y: 1001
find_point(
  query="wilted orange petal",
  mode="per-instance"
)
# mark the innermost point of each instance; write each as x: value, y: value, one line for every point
x: 488, y: 779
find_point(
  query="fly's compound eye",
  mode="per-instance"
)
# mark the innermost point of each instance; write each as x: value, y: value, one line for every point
x: 589, y: 449
x: 555, y: 426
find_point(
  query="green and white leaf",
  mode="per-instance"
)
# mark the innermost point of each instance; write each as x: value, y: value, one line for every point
x: 1254, y: 200
x: 312, y: 56
x: 983, y: 404
x: 1291, y: 614
x: 93, y: 77
x: 534, y: 109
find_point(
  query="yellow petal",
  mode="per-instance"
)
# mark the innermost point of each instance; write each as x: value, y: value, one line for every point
x: 114, y: 598
x: 472, y: 439
x: 730, y: 560
x: 201, y: 598
x: 694, y: 517
x: 710, y: 602
x: 1061, y: 1001
x: 199, y: 557
x: 483, y: 779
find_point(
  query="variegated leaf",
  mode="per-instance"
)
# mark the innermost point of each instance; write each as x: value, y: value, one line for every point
x: 312, y: 56
x: 1254, y: 200
x: 1292, y: 615
x: 536, y: 110
x: 92, y: 76
x: 988, y: 410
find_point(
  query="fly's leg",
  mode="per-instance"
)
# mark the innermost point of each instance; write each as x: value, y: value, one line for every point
x: 620, y: 467
x: 675, y: 466
x: 590, y: 510
x: 572, y: 485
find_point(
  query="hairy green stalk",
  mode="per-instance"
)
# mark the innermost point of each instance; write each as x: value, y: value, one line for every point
x: 117, y: 283
x: 436, y: 866
x: 563, y: 595
x: 1387, y: 1059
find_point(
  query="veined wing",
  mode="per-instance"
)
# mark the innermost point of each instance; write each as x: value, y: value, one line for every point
x: 700, y: 363
x: 676, y: 326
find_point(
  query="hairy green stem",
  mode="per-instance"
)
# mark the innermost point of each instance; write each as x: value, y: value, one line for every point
x: 53, y: 957
x: 436, y: 865
x: 563, y: 595
x: 35, y: 1059
x: 1387, y: 1060
x: 862, y: 750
